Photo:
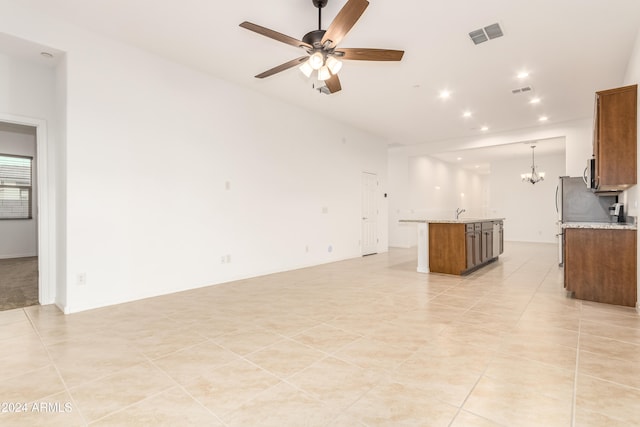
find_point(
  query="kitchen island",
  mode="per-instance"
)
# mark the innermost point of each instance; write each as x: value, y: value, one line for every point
x: 600, y: 262
x: 457, y: 246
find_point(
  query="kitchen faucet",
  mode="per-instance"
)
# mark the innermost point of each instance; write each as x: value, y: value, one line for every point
x: 458, y: 212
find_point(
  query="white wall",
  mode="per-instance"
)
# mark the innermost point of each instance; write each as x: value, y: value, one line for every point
x: 437, y: 189
x: 632, y: 76
x: 530, y: 209
x: 632, y: 196
x: 58, y: 188
x: 19, y: 236
x: 577, y: 135
x: 400, y: 235
x: 150, y: 147
x: 433, y: 189
x: 28, y: 94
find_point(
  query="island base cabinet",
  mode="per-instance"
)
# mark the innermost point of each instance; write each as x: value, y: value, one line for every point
x: 460, y: 248
x: 447, y: 248
x: 600, y: 265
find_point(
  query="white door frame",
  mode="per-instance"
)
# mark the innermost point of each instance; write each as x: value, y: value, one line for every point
x: 375, y: 209
x: 46, y: 237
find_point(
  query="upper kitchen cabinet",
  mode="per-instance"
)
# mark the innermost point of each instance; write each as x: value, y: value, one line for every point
x: 615, y: 138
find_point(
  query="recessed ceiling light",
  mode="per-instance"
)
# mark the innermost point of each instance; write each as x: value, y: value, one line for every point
x: 437, y: 187
x: 459, y: 158
x: 534, y: 101
x: 477, y: 166
x: 523, y: 74
x: 484, y: 128
x: 445, y: 94
x: 47, y: 54
x: 466, y: 114
x: 543, y: 118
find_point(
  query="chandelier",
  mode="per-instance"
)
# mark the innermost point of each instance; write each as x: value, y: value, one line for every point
x: 533, y: 176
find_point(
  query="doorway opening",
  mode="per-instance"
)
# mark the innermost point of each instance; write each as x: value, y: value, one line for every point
x: 19, y: 284
x: 44, y: 233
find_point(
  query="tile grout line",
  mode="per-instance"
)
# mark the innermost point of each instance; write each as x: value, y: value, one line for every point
x: 496, y: 352
x: 176, y: 385
x: 575, y: 374
x: 55, y: 366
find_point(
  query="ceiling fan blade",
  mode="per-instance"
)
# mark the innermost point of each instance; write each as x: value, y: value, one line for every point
x: 275, y: 35
x: 333, y: 84
x: 357, y: 54
x: 344, y: 21
x: 282, y: 67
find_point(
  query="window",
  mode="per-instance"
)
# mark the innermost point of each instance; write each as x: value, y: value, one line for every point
x: 15, y: 187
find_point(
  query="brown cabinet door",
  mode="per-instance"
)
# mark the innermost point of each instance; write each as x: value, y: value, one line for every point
x: 615, y: 138
x: 469, y: 239
x: 600, y: 265
x: 487, y: 242
x: 447, y: 248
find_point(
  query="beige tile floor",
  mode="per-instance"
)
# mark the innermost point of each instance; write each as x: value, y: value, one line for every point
x: 363, y: 342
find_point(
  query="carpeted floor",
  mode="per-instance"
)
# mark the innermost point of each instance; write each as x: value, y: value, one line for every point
x: 18, y: 282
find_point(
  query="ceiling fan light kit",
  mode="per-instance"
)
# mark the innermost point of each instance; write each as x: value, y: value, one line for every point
x: 306, y: 69
x: 321, y: 46
x: 316, y: 60
x: 334, y: 65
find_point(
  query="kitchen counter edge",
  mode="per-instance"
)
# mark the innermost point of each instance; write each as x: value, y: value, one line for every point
x: 453, y: 221
x: 600, y: 225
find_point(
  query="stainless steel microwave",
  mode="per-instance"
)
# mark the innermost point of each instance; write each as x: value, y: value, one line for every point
x: 590, y: 174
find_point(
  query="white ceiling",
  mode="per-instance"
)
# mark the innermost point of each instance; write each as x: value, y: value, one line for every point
x: 479, y: 159
x: 571, y: 48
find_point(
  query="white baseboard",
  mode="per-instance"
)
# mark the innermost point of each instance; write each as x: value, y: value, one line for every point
x: 17, y: 256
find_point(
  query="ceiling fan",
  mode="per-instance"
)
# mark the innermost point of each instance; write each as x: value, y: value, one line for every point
x: 323, y: 55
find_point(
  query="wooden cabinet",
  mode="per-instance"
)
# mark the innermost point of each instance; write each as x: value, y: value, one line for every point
x: 458, y: 248
x: 615, y: 138
x: 499, y: 241
x: 600, y: 265
x: 487, y: 241
x: 447, y: 248
x: 473, y: 246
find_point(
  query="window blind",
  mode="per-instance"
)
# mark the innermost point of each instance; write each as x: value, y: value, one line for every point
x: 15, y: 187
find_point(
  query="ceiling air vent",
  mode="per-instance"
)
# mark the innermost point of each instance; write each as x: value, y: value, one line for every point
x: 524, y: 89
x: 483, y: 34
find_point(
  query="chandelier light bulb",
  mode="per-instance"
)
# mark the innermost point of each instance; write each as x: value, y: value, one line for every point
x: 323, y: 73
x: 306, y: 69
x: 334, y: 65
x: 316, y: 60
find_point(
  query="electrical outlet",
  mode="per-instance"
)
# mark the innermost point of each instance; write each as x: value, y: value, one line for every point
x: 82, y: 279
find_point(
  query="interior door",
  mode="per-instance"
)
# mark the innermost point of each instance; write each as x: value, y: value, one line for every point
x: 369, y: 213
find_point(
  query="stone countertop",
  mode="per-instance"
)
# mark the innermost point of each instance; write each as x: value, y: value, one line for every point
x: 453, y: 221
x: 601, y: 225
